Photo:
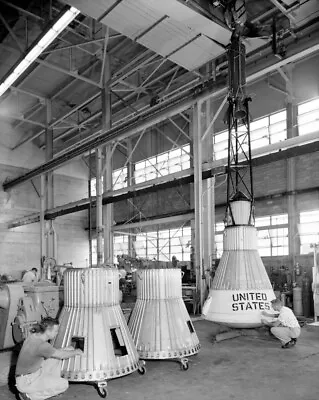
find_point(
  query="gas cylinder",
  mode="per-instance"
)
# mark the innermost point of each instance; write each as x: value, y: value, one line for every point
x: 306, y: 294
x: 297, y: 300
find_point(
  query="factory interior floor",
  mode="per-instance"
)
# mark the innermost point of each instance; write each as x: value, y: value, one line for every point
x: 243, y: 368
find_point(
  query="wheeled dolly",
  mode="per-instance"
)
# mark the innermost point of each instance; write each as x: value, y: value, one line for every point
x: 141, y: 367
x: 184, y: 363
x: 101, y: 388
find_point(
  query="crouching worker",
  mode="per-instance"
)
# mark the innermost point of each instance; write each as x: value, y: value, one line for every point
x: 284, y: 326
x: 38, y: 370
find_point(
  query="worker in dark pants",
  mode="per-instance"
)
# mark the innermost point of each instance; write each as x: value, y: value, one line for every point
x: 38, y: 370
x: 284, y: 326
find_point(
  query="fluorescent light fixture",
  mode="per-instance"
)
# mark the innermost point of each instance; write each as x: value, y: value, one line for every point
x: 22, y: 66
x: 11, y: 78
x: 3, y: 88
x: 47, y: 39
x: 64, y: 21
x: 39, y: 47
x: 34, y: 53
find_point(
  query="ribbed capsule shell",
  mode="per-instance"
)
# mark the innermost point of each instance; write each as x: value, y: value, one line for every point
x: 241, y: 211
x: 160, y: 324
x: 241, y: 289
x: 92, y: 311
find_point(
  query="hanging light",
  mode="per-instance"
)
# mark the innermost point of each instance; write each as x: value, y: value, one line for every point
x: 38, y: 48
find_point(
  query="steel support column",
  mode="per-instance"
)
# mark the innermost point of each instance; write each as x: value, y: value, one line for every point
x: 198, y: 204
x: 51, y: 234
x: 99, y: 206
x: 48, y: 247
x: 208, y: 199
x: 42, y: 223
x: 49, y: 154
x: 130, y: 182
x: 108, y: 167
x: 292, y: 127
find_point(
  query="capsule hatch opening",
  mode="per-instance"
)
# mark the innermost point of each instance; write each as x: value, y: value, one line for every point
x: 190, y: 327
x: 78, y: 342
x: 118, y: 342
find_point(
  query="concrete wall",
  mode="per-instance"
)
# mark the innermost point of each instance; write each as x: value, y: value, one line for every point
x: 20, y: 247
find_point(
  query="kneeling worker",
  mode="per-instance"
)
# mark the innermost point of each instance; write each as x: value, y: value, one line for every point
x: 38, y: 370
x: 285, y: 326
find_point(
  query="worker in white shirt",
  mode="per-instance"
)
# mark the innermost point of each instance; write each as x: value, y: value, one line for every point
x: 284, y: 326
x: 30, y: 276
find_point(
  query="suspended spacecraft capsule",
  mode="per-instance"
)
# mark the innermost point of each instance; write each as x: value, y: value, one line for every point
x: 241, y: 289
x: 93, y: 321
x: 160, y: 324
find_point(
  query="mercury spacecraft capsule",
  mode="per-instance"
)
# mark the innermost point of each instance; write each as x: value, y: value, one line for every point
x: 160, y: 324
x: 241, y: 289
x: 93, y: 321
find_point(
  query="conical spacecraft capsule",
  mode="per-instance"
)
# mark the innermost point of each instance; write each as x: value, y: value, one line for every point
x: 93, y: 321
x: 241, y: 289
x: 160, y: 324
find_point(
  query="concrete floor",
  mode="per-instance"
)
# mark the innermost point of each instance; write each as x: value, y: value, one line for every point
x: 244, y: 368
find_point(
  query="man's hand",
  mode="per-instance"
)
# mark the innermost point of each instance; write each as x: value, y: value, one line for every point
x: 68, y: 348
x: 78, y: 352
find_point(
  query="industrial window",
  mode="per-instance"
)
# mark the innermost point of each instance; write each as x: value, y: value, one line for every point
x: 308, y: 230
x: 272, y: 233
x: 263, y: 131
x: 219, y: 229
x: 162, y: 164
x: 119, y: 180
x: 120, y: 246
x: 164, y: 244
x: 308, y: 117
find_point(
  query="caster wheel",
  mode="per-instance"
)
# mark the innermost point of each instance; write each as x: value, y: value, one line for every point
x: 141, y: 370
x: 184, y: 367
x: 102, y: 392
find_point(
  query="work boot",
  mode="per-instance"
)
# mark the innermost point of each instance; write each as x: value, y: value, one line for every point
x: 289, y: 344
x: 23, y: 396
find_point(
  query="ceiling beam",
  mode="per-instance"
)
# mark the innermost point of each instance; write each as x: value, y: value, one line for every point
x: 180, y: 217
x: 280, y: 151
x: 74, y: 109
x: 163, y: 111
x: 284, y: 11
